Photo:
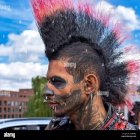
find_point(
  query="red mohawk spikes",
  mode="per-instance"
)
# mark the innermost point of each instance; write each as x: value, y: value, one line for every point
x: 43, y: 8
x: 134, y: 66
x: 63, y: 22
x: 46, y: 8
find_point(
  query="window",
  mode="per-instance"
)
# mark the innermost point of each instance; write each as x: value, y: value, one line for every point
x: 16, y: 103
x: 17, y: 110
x: 26, y: 103
x: 5, y: 103
x: 25, y: 109
x: 0, y: 110
x: 13, y: 110
x: 12, y: 103
x: 22, y: 103
x: 12, y: 115
x: 12, y: 95
x: 0, y: 103
x: 9, y: 109
x: 9, y: 103
x: 4, y: 115
x: 17, y: 95
x: 9, y: 116
x: 5, y: 109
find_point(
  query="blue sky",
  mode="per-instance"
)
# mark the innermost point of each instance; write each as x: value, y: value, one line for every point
x: 15, y: 16
x: 135, y: 5
x: 22, y: 50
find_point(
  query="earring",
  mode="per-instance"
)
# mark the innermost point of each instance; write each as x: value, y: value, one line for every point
x: 91, y: 95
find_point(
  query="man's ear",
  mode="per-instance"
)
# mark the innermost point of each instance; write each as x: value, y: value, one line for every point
x: 91, y: 83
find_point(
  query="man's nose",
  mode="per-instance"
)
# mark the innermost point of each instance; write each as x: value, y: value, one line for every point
x: 48, y: 92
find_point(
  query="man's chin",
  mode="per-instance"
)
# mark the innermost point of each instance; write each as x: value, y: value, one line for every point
x: 58, y: 114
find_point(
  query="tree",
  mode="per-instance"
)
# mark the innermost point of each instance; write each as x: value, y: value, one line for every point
x: 36, y: 106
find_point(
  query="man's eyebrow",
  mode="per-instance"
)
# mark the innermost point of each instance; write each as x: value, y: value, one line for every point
x: 49, y: 77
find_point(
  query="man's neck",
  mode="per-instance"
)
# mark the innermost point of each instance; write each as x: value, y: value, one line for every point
x: 90, y: 115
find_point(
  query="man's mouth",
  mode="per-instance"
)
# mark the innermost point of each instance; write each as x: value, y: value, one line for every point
x: 53, y: 104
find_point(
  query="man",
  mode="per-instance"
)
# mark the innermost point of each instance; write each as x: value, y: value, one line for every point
x: 86, y: 80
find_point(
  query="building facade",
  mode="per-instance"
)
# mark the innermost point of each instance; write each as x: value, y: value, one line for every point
x: 13, y: 104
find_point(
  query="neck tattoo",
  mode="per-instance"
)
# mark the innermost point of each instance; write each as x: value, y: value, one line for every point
x: 89, y: 116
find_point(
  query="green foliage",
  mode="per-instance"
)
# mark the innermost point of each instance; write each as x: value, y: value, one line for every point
x: 36, y: 106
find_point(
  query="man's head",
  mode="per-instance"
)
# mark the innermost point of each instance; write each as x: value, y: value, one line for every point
x: 81, y: 45
x: 73, y: 75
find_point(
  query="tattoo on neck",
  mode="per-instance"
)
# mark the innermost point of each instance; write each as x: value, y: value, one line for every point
x: 89, y: 116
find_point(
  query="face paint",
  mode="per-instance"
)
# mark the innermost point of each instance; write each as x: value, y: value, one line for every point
x: 61, y: 105
x: 58, y: 82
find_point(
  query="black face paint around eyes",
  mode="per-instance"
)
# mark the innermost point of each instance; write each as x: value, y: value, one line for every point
x: 58, y: 82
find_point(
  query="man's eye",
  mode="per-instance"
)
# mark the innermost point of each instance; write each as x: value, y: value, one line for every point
x: 58, y: 82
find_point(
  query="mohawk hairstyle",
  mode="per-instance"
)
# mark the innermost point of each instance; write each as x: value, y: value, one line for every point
x: 86, y: 36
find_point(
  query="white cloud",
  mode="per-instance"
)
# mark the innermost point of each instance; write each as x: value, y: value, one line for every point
x: 129, y: 17
x: 18, y: 75
x: 131, y: 52
x: 15, y: 86
x: 24, y: 51
x: 28, y: 40
x: 120, y: 13
x: 5, y: 51
x: 26, y: 47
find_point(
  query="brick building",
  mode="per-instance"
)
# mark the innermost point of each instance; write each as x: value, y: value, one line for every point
x: 14, y: 103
